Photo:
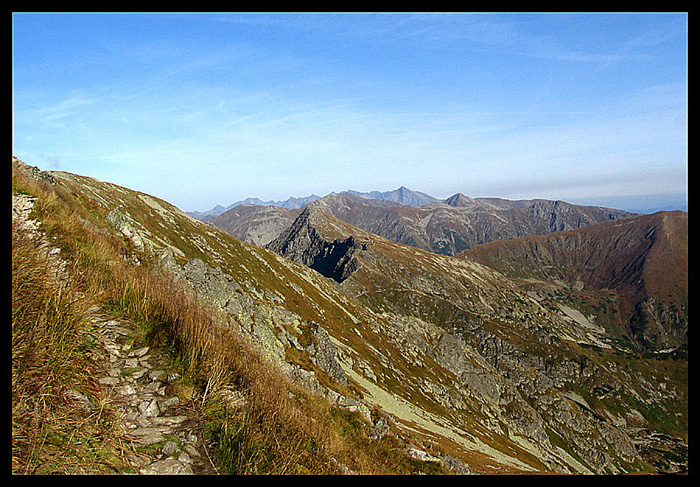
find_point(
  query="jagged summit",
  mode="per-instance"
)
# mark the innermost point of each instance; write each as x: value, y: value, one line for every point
x: 401, y: 195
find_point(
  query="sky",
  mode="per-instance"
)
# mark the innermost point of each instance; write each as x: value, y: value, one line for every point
x: 212, y: 108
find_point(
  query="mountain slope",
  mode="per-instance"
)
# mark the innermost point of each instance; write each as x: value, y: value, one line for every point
x: 401, y: 195
x: 300, y: 323
x: 413, y: 218
x: 303, y: 325
x: 255, y: 224
x: 289, y: 203
x: 643, y: 259
x: 462, y: 222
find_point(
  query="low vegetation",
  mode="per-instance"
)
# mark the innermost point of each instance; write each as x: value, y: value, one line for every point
x: 282, y: 430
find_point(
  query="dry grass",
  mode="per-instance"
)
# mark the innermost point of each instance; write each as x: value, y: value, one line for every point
x: 52, y: 360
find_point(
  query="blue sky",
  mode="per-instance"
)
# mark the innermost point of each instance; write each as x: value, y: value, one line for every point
x: 212, y: 108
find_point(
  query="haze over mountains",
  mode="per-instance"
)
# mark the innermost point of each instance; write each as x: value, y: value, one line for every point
x: 412, y: 218
x: 400, y: 195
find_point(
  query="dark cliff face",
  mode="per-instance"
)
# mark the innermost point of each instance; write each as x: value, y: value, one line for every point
x: 303, y: 243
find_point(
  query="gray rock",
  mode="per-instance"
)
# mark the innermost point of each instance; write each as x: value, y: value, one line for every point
x: 168, y: 466
x: 80, y: 400
x: 149, y: 408
x: 147, y: 435
x: 170, y: 448
x: 325, y: 354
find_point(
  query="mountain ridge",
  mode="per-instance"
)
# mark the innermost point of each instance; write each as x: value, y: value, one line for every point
x: 643, y: 259
x: 477, y: 306
x: 399, y: 195
x: 442, y: 227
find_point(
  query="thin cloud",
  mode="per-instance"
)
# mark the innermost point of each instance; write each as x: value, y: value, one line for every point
x: 53, y: 112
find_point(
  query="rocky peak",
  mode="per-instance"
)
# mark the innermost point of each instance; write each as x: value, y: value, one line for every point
x: 308, y: 241
x: 460, y: 200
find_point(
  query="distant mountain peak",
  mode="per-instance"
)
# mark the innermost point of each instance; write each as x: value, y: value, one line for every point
x: 460, y: 200
x: 400, y: 195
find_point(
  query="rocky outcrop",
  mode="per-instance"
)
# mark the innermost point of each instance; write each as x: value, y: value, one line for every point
x: 269, y: 327
x: 324, y: 353
x: 303, y: 243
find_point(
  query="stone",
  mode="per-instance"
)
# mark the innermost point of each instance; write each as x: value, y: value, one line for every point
x: 139, y: 352
x: 108, y: 381
x: 166, y: 403
x: 147, y: 435
x: 156, y: 374
x: 192, y: 451
x: 149, y: 408
x: 126, y: 390
x: 170, y: 448
x: 139, y: 373
x: 185, y: 458
x: 79, y: 400
x: 168, y: 466
x: 169, y: 420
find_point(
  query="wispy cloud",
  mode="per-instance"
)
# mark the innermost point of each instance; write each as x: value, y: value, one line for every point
x: 55, y: 112
x: 518, y: 34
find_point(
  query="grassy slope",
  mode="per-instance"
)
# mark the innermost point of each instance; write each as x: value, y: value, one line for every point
x: 278, y: 432
x: 260, y: 272
x: 313, y: 298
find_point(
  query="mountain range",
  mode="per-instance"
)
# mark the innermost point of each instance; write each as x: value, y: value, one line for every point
x: 446, y: 227
x: 401, y: 195
x: 486, y: 335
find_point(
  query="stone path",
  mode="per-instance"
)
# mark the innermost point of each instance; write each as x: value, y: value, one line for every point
x: 160, y: 426
x: 155, y: 420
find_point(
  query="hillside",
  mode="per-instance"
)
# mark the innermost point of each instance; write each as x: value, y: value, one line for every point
x: 258, y: 372
x: 351, y: 353
x: 461, y: 222
x: 500, y: 323
x: 642, y: 260
x: 253, y: 223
